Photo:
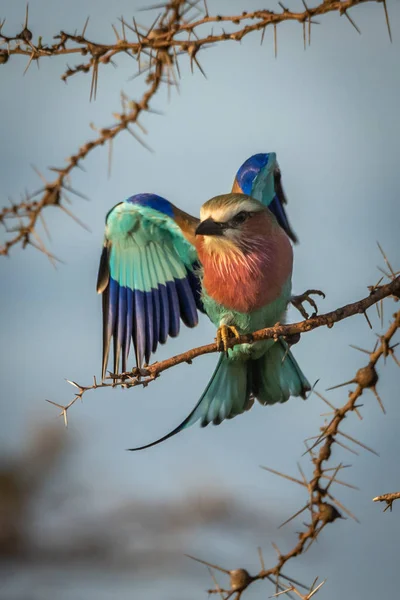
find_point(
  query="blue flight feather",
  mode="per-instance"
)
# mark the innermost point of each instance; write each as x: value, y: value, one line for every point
x: 164, y: 316
x: 249, y: 170
x: 129, y: 333
x: 140, y: 317
x: 195, y: 284
x: 260, y: 177
x: 174, y: 311
x: 187, y: 302
x: 155, y: 302
x: 120, y: 326
x: 153, y: 201
x: 157, y: 317
x: 149, y: 325
x: 113, y: 305
x: 277, y: 209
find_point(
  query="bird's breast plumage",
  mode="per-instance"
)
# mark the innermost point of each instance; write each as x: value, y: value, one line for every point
x: 250, y: 275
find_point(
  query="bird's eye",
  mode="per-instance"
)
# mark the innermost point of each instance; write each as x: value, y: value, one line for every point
x: 240, y: 218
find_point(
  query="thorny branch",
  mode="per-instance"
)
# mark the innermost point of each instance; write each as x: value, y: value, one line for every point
x: 29, y: 210
x: 180, y: 29
x: 388, y: 498
x: 290, y: 331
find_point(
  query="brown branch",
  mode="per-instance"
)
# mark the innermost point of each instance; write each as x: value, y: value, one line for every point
x: 164, y: 37
x: 388, y: 498
x: 173, y: 33
x: 328, y: 319
x: 366, y: 377
x: 53, y: 193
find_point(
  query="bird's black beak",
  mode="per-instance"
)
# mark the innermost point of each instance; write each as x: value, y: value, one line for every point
x: 210, y: 227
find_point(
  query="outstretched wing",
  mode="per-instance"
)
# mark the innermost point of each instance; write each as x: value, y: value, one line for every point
x: 147, y: 276
x: 260, y: 177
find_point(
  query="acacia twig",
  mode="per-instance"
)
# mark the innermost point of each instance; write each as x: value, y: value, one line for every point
x: 164, y: 37
x: 388, y: 498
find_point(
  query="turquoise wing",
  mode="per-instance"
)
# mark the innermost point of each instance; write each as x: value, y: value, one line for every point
x: 260, y: 177
x: 147, y: 277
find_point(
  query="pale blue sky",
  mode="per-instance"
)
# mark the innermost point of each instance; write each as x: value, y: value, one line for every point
x: 331, y: 115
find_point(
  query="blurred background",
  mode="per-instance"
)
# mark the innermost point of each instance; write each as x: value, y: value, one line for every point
x: 79, y: 516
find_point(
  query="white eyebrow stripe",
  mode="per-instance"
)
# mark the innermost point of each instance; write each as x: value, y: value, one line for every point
x: 223, y: 214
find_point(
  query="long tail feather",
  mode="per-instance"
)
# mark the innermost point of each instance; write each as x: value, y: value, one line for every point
x: 235, y: 383
x: 226, y: 395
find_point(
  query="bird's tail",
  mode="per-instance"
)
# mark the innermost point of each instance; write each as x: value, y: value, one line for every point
x: 276, y: 376
x: 236, y: 383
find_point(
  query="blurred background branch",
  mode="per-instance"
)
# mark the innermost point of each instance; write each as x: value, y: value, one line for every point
x: 43, y: 526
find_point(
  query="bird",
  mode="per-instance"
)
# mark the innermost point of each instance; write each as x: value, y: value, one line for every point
x: 159, y: 266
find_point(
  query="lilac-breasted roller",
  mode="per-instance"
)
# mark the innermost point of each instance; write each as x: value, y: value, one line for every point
x: 160, y: 265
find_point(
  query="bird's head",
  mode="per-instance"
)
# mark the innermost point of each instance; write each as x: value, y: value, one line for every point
x: 231, y: 221
x: 250, y: 169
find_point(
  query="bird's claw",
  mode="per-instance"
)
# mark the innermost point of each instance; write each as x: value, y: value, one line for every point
x: 224, y: 332
x: 297, y: 302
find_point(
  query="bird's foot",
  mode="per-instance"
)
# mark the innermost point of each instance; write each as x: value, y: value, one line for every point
x: 224, y: 332
x: 297, y: 302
